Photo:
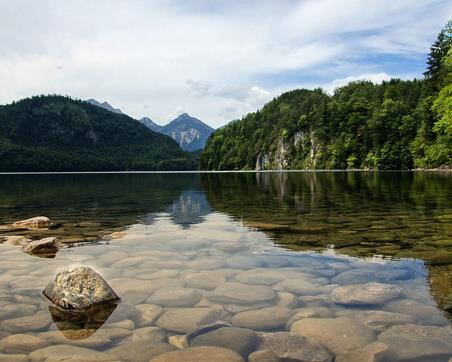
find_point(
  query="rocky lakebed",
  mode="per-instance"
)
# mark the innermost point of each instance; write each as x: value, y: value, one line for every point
x: 219, y: 289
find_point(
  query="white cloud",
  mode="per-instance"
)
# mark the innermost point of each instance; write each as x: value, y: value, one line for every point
x: 376, y: 78
x: 211, y: 59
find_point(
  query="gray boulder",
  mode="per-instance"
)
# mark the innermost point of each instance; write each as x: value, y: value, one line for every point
x: 79, y: 288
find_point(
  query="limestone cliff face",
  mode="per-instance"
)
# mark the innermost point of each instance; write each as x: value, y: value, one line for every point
x: 300, y: 151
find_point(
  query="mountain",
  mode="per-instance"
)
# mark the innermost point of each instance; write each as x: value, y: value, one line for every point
x: 104, y: 105
x: 56, y: 133
x: 189, y: 132
x: 149, y: 123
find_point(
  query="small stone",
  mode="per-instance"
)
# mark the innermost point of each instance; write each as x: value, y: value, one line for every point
x: 310, y: 312
x: 178, y: 341
x: 183, y: 320
x: 148, y: 314
x: 46, y: 246
x: 35, y: 223
x: 264, y: 355
x: 380, y: 320
x: 241, y: 340
x: 373, y: 352
x: 21, y: 343
x: 416, y: 330
x: 297, y: 286
x: 365, y: 294
x: 26, y: 324
x: 139, y: 351
x: 79, y: 337
x: 200, y: 354
x: 241, y: 294
x: 204, y: 329
x: 13, y: 357
x: 204, y: 280
x: 292, y: 347
x: 404, y: 348
x: 288, y: 300
x: 63, y: 353
x: 421, y: 312
x: 79, y: 287
x: 149, y: 335
x: 175, y: 297
x: 339, y: 335
x: 265, y: 319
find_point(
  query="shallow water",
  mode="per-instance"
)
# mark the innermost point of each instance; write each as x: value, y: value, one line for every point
x: 234, y: 243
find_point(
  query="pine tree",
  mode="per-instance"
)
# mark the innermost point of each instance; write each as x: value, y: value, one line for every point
x: 438, y: 52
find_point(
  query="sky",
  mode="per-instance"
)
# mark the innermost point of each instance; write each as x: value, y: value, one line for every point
x: 216, y: 60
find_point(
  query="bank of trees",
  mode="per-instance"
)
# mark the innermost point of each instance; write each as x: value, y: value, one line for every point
x: 394, y: 125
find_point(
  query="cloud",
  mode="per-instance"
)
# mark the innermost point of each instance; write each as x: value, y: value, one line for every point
x: 215, y: 60
x: 376, y: 78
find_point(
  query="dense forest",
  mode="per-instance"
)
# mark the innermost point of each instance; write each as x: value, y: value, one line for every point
x: 398, y: 124
x: 56, y: 133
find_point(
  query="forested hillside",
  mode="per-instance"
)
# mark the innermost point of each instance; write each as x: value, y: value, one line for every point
x: 55, y: 133
x: 394, y: 125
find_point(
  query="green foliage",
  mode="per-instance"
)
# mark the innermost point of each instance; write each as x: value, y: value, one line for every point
x: 362, y: 125
x: 395, y: 125
x: 55, y: 133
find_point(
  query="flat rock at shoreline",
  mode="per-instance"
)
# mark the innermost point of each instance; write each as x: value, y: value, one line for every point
x: 34, y: 223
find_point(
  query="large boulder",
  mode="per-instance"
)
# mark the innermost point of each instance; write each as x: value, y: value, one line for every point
x: 46, y: 247
x: 34, y: 223
x: 80, y: 288
x: 365, y: 294
x: 241, y: 294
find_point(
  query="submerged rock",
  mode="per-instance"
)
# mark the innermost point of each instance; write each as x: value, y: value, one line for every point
x: 365, y: 294
x: 200, y: 354
x: 183, y: 320
x: 291, y: 347
x: 241, y: 294
x: 34, y: 223
x: 339, y: 335
x: 241, y: 340
x: 16, y: 240
x: 69, y: 353
x: 46, y: 247
x: 79, y: 287
x: 265, y: 319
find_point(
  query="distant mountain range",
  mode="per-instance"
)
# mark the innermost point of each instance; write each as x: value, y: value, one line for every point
x: 191, y: 133
x: 149, y: 123
x: 55, y: 133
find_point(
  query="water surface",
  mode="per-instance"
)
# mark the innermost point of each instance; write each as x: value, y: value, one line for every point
x: 288, y: 239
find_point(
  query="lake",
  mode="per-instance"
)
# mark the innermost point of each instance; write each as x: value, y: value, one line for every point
x: 357, y: 265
